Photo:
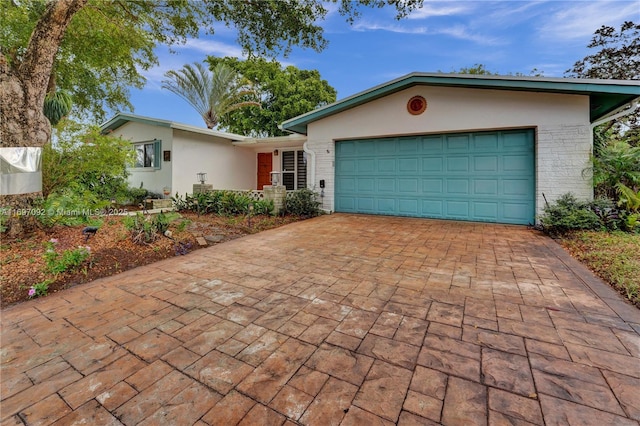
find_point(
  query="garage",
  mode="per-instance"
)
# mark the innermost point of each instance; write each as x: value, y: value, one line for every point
x: 462, y: 147
x: 482, y: 176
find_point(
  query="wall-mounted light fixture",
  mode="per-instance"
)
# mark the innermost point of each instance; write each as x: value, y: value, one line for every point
x: 275, y: 152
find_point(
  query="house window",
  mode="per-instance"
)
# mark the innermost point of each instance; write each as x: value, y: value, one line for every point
x: 147, y: 154
x: 294, y: 170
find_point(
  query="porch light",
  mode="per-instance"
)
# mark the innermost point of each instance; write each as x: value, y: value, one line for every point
x: 202, y: 177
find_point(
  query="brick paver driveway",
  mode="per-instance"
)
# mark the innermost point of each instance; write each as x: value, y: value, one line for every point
x: 342, y: 319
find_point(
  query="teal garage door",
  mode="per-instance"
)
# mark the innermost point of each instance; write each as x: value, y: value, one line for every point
x: 482, y: 176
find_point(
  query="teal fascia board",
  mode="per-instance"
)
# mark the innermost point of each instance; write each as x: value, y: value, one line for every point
x: 605, y: 96
x: 120, y: 119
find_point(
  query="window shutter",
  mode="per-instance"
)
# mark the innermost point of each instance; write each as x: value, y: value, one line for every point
x: 156, y: 153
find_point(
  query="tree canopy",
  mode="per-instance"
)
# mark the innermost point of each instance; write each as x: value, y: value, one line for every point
x: 108, y: 43
x: 213, y: 94
x: 284, y: 92
x: 617, y: 57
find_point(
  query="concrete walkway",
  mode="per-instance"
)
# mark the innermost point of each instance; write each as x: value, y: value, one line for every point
x: 342, y: 319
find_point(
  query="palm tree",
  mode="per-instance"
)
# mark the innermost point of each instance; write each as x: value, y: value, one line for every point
x: 212, y: 93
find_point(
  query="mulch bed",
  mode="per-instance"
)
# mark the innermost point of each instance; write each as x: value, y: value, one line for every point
x: 23, y: 265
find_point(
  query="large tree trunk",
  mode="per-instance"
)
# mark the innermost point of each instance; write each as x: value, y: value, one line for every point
x: 23, y: 87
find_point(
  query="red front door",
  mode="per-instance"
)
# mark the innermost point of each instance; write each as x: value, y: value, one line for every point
x: 265, y: 160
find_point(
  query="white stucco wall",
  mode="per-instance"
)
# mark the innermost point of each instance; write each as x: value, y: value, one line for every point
x: 227, y: 166
x: 152, y: 179
x: 561, y: 121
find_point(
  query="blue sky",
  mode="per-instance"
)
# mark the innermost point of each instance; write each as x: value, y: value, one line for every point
x: 505, y: 36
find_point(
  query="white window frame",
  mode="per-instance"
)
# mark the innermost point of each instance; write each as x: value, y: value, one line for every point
x: 157, y: 150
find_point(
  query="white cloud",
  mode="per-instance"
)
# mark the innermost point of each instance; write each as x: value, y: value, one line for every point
x: 581, y: 19
x: 211, y: 47
x: 429, y: 10
x: 401, y: 29
x: 462, y: 32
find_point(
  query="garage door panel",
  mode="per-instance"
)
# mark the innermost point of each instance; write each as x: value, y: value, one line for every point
x: 408, y: 185
x: 408, y: 207
x: 516, y: 163
x: 432, y: 145
x: 346, y: 167
x: 408, y: 165
x: 347, y: 204
x: 366, y: 185
x: 457, y: 186
x: 432, y: 186
x: 482, y: 176
x: 432, y: 208
x: 409, y: 146
x: 432, y: 164
x: 381, y: 147
x: 516, y: 213
x: 486, y: 163
x: 346, y: 185
x: 485, y: 187
x: 457, y: 209
x: 485, y: 210
x: 515, y: 141
x: 517, y: 187
x: 386, y: 184
x: 386, y: 165
x: 486, y: 142
x: 458, y: 164
x: 458, y: 143
x: 386, y: 205
x: 366, y: 204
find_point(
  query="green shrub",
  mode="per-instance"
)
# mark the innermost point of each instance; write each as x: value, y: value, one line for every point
x: 135, y: 196
x: 566, y: 214
x: 616, y: 163
x: 143, y: 229
x: 302, y: 202
x: 68, y: 259
x: 224, y: 203
x: 71, y: 206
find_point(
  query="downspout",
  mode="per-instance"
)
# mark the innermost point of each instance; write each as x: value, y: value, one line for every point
x: 635, y: 104
x: 312, y: 161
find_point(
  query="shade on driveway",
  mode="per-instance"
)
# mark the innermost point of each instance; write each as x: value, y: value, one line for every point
x: 342, y: 319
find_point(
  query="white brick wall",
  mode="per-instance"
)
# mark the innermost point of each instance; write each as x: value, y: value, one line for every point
x: 562, y: 156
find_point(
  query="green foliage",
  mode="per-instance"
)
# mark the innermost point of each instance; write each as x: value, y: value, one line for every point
x: 284, y: 93
x: 135, y: 196
x: 566, y: 214
x: 618, y: 162
x: 108, y: 44
x: 83, y: 156
x: 57, y: 263
x: 71, y: 206
x: 57, y: 106
x: 611, y: 255
x: 302, y: 202
x: 40, y: 289
x: 223, y: 203
x: 213, y: 94
x: 629, y: 198
x: 617, y: 56
x: 145, y: 229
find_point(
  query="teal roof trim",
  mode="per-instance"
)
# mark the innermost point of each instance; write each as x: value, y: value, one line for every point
x: 120, y: 119
x: 605, y: 96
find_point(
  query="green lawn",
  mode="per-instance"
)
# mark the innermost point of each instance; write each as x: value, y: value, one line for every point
x: 615, y: 257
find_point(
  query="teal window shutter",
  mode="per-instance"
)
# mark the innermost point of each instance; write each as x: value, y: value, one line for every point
x: 156, y: 153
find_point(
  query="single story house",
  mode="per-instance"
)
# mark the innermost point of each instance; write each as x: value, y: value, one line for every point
x: 169, y: 156
x: 464, y: 147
